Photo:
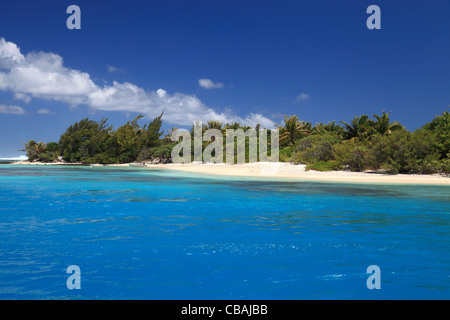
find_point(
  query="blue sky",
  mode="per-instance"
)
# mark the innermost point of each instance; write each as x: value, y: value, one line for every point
x: 258, y: 60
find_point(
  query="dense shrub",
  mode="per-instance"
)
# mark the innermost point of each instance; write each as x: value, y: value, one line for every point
x: 439, y: 128
x: 323, y: 166
x: 314, y: 148
x: 286, y: 153
x: 164, y: 152
x: 444, y: 166
x: 404, y: 152
x: 352, y: 155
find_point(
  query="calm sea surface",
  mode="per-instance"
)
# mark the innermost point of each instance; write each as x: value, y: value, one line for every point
x: 159, y: 234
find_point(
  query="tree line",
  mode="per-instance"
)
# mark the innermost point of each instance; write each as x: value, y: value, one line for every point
x: 364, y: 143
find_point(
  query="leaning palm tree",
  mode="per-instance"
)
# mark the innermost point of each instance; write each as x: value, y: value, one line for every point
x: 292, y: 129
x: 384, y: 126
x: 34, y: 150
x: 30, y: 150
x: 28, y: 145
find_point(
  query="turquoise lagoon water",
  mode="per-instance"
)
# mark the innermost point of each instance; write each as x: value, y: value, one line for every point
x: 159, y: 234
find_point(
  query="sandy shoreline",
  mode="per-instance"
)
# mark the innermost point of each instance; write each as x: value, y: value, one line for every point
x: 290, y: 171
x: 284, y: 171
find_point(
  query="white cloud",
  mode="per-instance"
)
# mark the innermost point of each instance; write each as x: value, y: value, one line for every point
x: 44, y: 111
x: 161, y: 92
x: 10, y: 55
x: 302, y: 97
x: 178, y: 108
x: 253, y: 118
x: 113, y: 69
x: 11, y: 110
x: 43, y: 75
x: 209, y: 84
x: 22, y: 96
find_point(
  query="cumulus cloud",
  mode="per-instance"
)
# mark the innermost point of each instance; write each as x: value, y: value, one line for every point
x: 209, y: 84
x: 43, y: 75
x: 5, y: 109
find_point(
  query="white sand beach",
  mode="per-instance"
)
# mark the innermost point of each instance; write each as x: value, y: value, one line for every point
x: 290, y: 171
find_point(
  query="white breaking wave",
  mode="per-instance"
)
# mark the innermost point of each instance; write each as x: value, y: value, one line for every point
x: 22, y: 157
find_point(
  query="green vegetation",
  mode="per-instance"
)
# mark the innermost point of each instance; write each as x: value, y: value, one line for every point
x: 376, y: 144
x: 292, y: 130
x: 364, y: 143
x: 39, y: 151
x: 89, y: 141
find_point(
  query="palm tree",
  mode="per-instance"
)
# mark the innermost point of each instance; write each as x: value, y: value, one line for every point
x: 257, y: 128
x: 213, y: 124
x: 39, y: 148
x: 329, y: 127
x: 168, y: 137
x: 360, y: 128
x: 28, y: 145
x: 384, y: 126
x: 34, y: 150
x: 234, y: 126
x: 292, y: 129
x: 29, y: 148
